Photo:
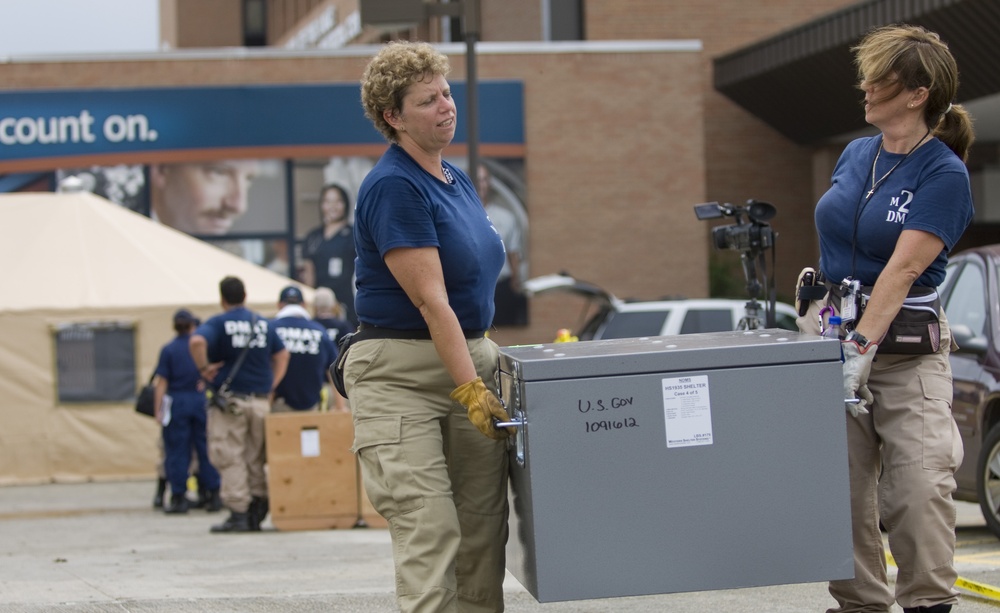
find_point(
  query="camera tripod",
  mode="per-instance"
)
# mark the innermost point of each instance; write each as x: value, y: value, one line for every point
x: 751, y: 238
x: 751, y: 319
x: 751, y: 316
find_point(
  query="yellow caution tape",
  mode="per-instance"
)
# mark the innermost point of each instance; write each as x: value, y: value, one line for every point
x: 984, y: 590
x: 987, y: 591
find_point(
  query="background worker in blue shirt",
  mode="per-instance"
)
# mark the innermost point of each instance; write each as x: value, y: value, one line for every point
x: 180, y: 390
x: 239, y: 351
x: 310, y: 354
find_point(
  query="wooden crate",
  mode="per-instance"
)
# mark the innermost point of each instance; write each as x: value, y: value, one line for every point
x: 313, y: 477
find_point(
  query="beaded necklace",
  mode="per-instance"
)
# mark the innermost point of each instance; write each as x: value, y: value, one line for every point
x: 450, y: 178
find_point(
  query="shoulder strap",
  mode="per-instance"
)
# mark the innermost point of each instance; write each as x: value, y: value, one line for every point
x: 243, y: 354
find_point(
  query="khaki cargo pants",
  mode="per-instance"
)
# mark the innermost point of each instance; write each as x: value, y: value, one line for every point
x: 439, y: 482
x: 280, y: 406
x: 902, y: 459
x: 236, y: 449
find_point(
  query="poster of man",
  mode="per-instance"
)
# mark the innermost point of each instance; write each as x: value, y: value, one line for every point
x: 201, y: 198
x: 235, y: 204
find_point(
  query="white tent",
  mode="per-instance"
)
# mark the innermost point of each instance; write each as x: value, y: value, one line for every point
x: 77, y: 258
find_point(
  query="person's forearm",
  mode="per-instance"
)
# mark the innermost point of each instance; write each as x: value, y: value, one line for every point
x: 279, y: 366
x: 450, y: 343
x: 515, y: 271
x: 199, y: 352
x: 886, y: 299
x: 159, y: 391
x: 308, y: 275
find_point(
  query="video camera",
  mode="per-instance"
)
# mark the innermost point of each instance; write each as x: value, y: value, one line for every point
x: 751, y: 237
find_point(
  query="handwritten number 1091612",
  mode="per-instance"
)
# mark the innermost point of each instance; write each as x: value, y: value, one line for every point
x: 599, y: 405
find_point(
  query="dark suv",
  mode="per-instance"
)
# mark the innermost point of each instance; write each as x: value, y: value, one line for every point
x: 971, y: 300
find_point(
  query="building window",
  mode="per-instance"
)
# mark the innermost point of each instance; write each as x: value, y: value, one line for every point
x: 986, y: 193
x: 563, y: 20
x: 254, y: 23
x: 95, y: 362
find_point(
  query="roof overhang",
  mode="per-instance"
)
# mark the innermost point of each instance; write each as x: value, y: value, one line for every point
x: 803, y: 82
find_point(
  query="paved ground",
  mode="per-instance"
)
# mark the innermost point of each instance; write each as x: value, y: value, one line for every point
x: 99, y: 547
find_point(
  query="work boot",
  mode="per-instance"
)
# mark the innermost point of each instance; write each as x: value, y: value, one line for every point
x: 259, y: 507
x: 212, y: 503
x: 237, y: 522
x: 938, y: 608
x: 161, y: 488
x: 178, y: 504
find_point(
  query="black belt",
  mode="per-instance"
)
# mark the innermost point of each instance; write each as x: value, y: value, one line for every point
x: 838, y: 289
x: 368, y: 331
x: 819, y: 291
x: 242, y: 396
x: 915, y: 291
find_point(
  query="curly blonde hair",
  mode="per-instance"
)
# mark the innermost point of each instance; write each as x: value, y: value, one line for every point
x: 397, y: 66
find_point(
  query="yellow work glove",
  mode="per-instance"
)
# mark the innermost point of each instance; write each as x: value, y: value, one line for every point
x: 483, y: 406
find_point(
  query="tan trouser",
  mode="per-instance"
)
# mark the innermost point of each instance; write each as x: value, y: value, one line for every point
x: 236, y: 448
x: 438, y: 481
x: 280, y: 406
x: 902, y: 459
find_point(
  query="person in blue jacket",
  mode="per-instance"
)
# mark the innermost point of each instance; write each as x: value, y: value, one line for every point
x: 180, y: 393
x: 310, y: 354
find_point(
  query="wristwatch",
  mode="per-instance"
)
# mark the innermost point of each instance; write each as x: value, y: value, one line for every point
x: 858, y: 338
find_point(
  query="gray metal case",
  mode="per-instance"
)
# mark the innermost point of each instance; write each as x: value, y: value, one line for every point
x: 672, y: 464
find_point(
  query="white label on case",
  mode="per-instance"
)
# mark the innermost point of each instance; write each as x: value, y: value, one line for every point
x: 687, y: 411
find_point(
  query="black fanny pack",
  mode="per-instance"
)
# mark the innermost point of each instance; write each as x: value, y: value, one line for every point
x: 916, y: 329
x: 337, y: 368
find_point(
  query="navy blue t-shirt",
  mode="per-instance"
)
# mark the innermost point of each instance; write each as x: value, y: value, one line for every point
x: 227, y: 334
x: 336, y: 328
x: 333, y: 263
x: 928, y: 191
x: 402, y: 205
x: 177, y: 367
x: 310, y: 353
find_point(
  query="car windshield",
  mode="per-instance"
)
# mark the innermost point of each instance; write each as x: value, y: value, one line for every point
x: 707, y: 320
x: 630, y: 325
x: 966, y: 304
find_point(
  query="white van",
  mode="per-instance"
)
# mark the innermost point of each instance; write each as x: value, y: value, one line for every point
x: 616, y: 318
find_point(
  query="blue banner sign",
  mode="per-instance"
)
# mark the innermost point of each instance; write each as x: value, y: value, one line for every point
x: 42, y: 129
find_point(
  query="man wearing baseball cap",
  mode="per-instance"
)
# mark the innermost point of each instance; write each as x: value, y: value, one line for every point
x: 310, y: 353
